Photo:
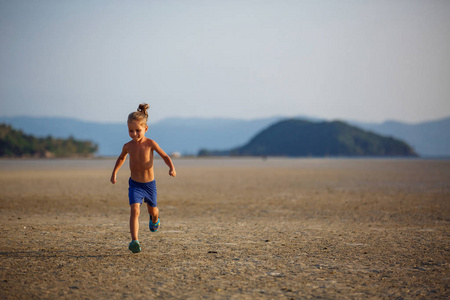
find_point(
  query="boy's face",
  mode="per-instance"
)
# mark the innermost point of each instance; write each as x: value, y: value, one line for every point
x: 136, y: 130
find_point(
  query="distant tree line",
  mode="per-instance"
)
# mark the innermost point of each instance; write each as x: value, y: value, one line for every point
x: 14, y: 143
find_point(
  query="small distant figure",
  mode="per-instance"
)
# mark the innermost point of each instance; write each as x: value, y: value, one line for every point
x: 142, y: 185
x: 175, y: 154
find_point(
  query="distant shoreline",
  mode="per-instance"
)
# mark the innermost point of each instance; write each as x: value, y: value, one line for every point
x: 75, y: 158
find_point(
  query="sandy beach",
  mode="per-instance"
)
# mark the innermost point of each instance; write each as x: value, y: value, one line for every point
x: 231, y: 229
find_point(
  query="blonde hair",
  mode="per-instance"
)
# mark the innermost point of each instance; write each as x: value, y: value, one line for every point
x: 141, y: 115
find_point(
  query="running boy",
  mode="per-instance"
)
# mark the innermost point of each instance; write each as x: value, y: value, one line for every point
x: 142, y: 186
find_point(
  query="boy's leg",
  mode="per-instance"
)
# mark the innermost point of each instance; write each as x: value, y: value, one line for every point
x: 134, y: 220
x: 154, y: 218
x: 153, y: 212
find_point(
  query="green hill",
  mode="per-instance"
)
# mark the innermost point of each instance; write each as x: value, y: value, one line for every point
x: 14, y: 143
x: 303, y: 138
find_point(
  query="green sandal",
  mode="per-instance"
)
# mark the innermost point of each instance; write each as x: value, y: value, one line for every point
x: 154, y: 226
x: 135, y: 247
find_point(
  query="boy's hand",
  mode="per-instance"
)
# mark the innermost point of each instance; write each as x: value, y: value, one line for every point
x: 172, y: 173
x: 113, y: 179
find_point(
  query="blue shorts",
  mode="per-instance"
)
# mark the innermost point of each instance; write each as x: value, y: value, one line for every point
x: 138, y: 192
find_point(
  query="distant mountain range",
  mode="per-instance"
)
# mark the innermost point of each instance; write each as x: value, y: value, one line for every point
x: 189, y: 135
x: 427, y: 138
x: 300, y: 138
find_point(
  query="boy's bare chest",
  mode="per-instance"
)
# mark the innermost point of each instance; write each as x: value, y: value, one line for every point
x: 140, y: 153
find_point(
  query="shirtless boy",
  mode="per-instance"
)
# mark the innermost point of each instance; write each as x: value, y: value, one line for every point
x: 142, y: 185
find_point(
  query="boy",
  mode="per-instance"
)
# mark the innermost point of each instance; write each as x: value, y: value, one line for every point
x: 142, y: 185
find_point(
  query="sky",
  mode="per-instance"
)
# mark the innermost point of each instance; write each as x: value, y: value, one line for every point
x: 368, y: 61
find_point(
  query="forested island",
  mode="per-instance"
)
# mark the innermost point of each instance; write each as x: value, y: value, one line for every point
x: 300, y: 138
x: 14, y: 143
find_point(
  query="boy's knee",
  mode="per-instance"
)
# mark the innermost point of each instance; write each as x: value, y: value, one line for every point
x: 135, y: 209
x: 153, y: 210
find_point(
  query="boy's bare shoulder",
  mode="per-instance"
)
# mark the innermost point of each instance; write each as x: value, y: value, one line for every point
x: 150, y: 142
x: 127, y: 146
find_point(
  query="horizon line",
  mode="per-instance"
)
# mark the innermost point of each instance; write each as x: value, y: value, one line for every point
x: 312, y: 118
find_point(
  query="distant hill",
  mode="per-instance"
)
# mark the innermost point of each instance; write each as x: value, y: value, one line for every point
x: 189, y: 135
x: 428, y: 138
x: 319, y: 139
x: 14, y: 143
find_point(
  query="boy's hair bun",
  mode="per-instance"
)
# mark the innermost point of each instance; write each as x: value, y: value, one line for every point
x: 143, y: 109
x: 140, y: 115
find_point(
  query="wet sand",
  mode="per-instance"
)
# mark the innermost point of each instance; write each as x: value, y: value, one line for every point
x: 231, y: 229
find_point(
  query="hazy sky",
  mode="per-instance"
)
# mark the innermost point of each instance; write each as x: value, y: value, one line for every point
x: 97, y: 60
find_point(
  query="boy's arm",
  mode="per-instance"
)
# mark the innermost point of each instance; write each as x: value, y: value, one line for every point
x: 166, y: 158
x: 119, y: 163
